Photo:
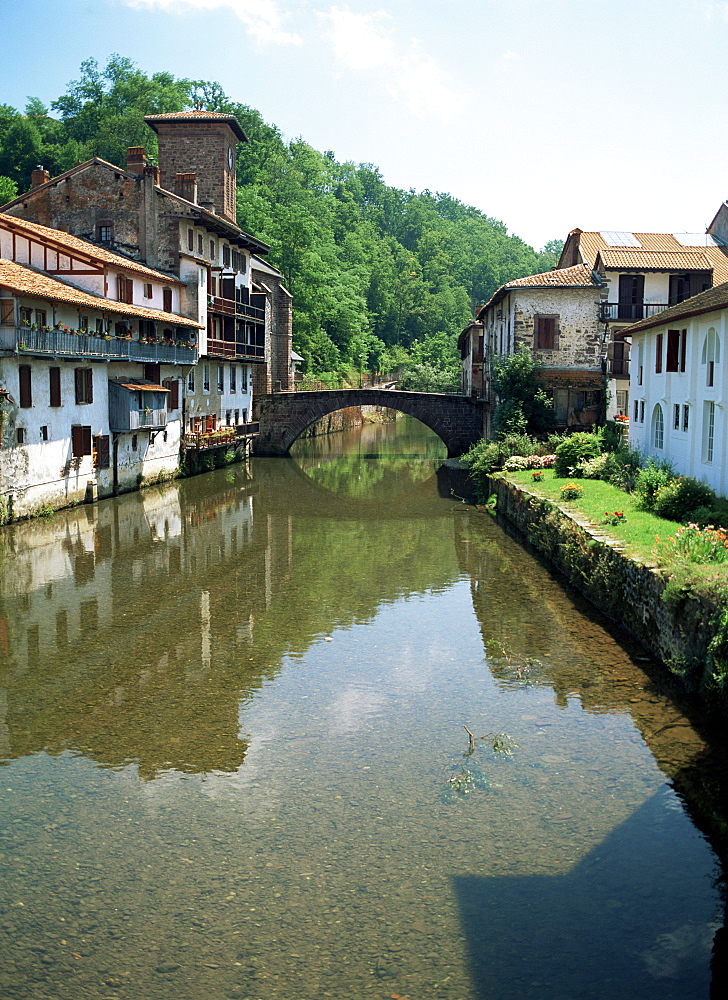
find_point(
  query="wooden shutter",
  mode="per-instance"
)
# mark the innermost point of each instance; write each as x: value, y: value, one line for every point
x: 167, y: 299
x: 89, y: 384
x: 79, y: 377
x: 658, y: 354
x: 152, y: 372
x: 673, y: 350
x: 77, y: 440
x: 683, y: 347
x: 7, y: 312
x: 173, y: 394
x: 101, y: 451
x: 54, y: 375
x: 26, y: 395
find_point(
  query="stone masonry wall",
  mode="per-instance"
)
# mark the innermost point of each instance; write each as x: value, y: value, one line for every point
x: 629, y: 592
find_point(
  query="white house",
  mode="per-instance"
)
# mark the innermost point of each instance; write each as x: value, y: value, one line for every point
x: 91, y: 381
x: 643, y: 273
x: 679, y: 386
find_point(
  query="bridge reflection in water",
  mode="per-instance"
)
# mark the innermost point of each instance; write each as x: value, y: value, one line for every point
x: 211, y: 799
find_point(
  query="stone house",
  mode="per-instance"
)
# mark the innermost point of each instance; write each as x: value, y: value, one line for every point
x: 680, y: 389
x: 556, y: 317
x: 180, y: 217
x: 91, y: 378
x: 643, y: 274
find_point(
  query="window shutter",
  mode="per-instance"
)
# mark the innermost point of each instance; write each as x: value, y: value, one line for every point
x: 80, y: 383
x: 683, y: 347
x: 174, y: 394
x: 152, y: 372
x: 101, y: 451
x: 89, y: 375
x: 86, y: 437
x: 77, y: 440
x: 7, y: 312
x: 167, y: 299
x: 26, y: 395
x: 55, y: 386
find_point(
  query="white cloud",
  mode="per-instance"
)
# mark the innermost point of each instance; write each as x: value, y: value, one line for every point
x: 366, y: 43
x: 264, y: 20
x: 714, y: 8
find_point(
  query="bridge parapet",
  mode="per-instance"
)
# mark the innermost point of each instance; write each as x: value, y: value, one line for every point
x: 457, y: 420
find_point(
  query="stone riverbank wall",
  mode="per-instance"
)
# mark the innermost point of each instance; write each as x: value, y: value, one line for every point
x: 678, y: 631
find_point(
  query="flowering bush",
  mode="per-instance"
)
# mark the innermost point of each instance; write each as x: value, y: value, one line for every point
x: 614, y: 517
x: 537, y: 476
x: 517, y: 463
x: 572, y: 491
x: 679, y: 499
x: 621, y: 418
x: 699, y: 545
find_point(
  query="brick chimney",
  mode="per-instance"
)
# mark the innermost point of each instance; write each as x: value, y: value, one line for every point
x: 39, y: 176
x: 136, y: 159
x: 185, y: 185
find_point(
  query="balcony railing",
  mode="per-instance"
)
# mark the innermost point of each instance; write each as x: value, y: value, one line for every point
x: 204, y: 440
x: 217, y: 304
x: 233, y: 307
x: 629, y: 312
x: 618, y: 367
x: 230, y: 349
x: 250, y: 312
x: 58, y: 343
x: 147, y: 419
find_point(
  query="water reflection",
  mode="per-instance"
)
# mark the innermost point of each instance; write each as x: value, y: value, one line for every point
x: 229, y: 711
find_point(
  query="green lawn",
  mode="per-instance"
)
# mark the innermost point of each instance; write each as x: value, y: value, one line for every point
x: 637, y: 531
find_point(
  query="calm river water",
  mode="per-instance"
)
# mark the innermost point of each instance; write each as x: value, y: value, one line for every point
x: 232, y: 719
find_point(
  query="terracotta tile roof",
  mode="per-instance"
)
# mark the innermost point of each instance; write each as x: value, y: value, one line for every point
x: 197, y: 116
x: 24, y: 280
x: 75, y: 245
x: 578, y: 276
x: 709, y: 301
x: 619, y: 259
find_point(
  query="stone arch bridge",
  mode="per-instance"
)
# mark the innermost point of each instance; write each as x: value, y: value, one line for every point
x: 283, y: 416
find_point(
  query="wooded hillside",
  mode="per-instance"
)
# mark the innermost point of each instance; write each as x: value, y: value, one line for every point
x: 379, y: 276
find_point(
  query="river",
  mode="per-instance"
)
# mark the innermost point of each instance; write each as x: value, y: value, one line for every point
x: 233, y: 717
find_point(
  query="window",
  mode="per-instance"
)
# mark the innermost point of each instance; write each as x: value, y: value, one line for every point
x: 622, y: 401
x: 226, y: 255
x: 708, y: 430
x: 26, y: 393
x: 84, y: 382
x: 40, y: 317
x: 105, y: 232
x: 220, y: 378
x: 134, y: 442
x: 26, y: 316
x: 80, y: 441
x: 44, y: 432
x: 658, y: 354
x: 636, y: 410
x: 199, y: 244
x: 685, y: 416
x: 710, y: 355
x: 173, y: 395
x: 676, y: 416
x: 147, y: 289
x: 212, y: 249
x: 83, y: 322
x: 100, y: 326
x: 545, y: 333
x: 20, y: 435
x: 205, y: 378
x: 191, y: 240
x: 167, y: 299
x: 642, y: 411
x: 233, y: 373
x: 124, y: 289
x: 153, y: 372
x: 101, y: 451
x: 658, y: 428
x: 191, y: 380
x: 244, y: 379
x: 675, y: 361
x: 640, y: 362
x: 54, y: 379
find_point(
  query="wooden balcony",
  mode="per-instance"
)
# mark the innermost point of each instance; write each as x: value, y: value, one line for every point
x: 232, y: 350
x: 222, y: 437
x: 59, y: 344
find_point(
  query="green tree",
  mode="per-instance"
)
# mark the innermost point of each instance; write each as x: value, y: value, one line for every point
x: 523, y: 407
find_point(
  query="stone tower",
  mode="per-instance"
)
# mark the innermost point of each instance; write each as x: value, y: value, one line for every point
x: 203, y: 143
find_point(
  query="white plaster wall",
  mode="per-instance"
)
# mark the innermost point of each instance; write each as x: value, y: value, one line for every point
x: 657, y: 286
x: 683, y: 448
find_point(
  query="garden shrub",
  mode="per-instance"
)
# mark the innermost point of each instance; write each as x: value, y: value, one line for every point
x: 573, y: 450
x: 610, y: 435
x: 483, y: 457
x: 600, y: 467
x: 516, y: 463
x: 680, y: 498
x: 648, y: 481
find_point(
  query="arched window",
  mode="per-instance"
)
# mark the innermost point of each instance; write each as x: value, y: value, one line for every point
x: 711, y: 355
x: 658, y: 427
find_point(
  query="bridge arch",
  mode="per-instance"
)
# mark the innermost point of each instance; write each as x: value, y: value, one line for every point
x: 283, y: 416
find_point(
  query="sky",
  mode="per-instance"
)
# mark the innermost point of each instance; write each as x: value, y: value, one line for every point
x: 544, y: 114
